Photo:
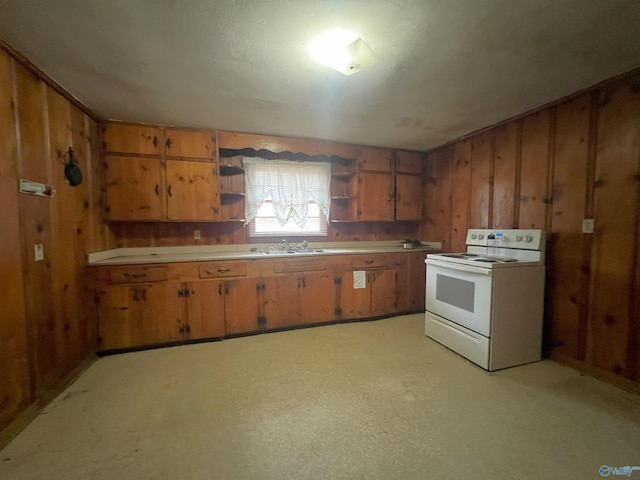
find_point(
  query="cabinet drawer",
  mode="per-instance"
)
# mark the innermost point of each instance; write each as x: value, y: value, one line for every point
x: 223, y: 269
x: 138, y: 274
x: 300, y: 265
x: 369, y: 261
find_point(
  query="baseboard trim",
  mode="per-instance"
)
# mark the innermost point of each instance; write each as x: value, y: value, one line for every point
x: 600, y: 374
x: 33, y: 410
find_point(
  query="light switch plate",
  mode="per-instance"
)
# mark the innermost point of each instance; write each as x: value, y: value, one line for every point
x: 196, y: 235
x: 38, y: 252
x: 588, y: 225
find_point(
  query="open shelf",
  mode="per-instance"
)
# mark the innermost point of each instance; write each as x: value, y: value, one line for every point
x: 226, y: 170
x: 342, y: 175
x: 341, y: 198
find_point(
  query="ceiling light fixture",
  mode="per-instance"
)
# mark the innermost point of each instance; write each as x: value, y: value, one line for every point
x: 342, y: 50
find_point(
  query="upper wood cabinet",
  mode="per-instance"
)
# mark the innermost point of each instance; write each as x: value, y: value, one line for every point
x: 389, y: 185
x: 155, y: 174
x: 409, y: 162
x: 190, y: 144
x: 376, y: 198
x: 134, y: 139
x: 409, y: 185
x: 192, y: 191
x: 133, y: 188
x: 375, y: 159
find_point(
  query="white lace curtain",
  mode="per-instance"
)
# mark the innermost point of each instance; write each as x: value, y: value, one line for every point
x: 291, y: 186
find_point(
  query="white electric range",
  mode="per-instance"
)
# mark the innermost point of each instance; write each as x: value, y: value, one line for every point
x: 487, y: 303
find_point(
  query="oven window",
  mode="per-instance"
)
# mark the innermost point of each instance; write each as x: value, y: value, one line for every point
x: 456, y: 292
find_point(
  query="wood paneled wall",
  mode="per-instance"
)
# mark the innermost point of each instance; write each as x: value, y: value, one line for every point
x: 45, y: 329
x: 133, y: 234
x: 551, y: 169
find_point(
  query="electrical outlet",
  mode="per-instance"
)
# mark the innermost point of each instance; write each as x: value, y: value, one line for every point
x: 38, y: 251
x: 588, y: 224
x: 196, y: 235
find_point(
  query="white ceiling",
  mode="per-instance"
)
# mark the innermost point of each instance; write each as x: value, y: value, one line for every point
x: 449, y: 66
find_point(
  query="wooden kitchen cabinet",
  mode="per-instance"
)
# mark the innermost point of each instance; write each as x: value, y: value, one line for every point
x: 376, y: 196
x: 411, y: 281
x: 205, y: 310
x: 409, y: 186
x: 241, y: 305
x: 282, y: 301
x: 378, y: 297
x: 190, y: 144
x: 160, y: 174
x: 305, y: 298
x: 192, y: 191
x: 141, y: 314
x: 133, y: 188
x: 389, y: 185
x: 133, y: 139
x: 373, y: 159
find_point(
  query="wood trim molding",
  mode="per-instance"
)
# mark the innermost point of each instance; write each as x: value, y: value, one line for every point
x: 32, y: 411
x: 24, y: 61
x: 612, y: 378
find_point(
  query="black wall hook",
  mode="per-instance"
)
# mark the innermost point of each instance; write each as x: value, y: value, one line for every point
x: 72, y: 172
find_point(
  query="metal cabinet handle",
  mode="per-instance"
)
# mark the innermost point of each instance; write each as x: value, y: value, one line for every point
x: 223, y: 270
x: 368, y: 262
x: 169, y: 191
x: 157, y: 190
x: 137, y: 275
x: 168, y: 142
x: 155, y: 141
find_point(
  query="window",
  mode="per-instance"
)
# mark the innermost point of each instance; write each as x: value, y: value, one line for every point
x: 287, y: 198
x: 266, y: 223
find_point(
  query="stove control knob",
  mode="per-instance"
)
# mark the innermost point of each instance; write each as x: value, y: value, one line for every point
x: 480, y: 236
x: 528, y: 238
x: 474, y: 236
x: 518, y: 238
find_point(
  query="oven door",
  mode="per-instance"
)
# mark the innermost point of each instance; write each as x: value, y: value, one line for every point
x: 460, y: 293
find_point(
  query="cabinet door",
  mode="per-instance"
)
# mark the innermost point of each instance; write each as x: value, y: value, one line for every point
x: 205, y: 309
x: 192, y: 191
x: 403, y: 295
x: 133, y: 188
x: 409, y: 197
x: 375, y: 159
x: 282, y: 301
x: 417, y: 281
x: 383, y: 292
x: 135, y: 139
x: 354, y: 302
x: 189, y: 144
x: 375, y: 198
x: 319, y: 293
x: 409, y: 162
x: 241, y: 305
x: 137, y: 315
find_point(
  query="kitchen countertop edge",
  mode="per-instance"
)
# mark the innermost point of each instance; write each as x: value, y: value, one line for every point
x: 205, y: 253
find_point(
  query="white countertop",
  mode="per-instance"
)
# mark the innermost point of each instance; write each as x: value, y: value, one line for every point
x: 197, y: 253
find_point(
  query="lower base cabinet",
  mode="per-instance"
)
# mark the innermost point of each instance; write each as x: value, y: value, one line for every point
x: 144, y: 306
x: 241, y: 307
x: 149, y: 314
x: 377, y: 296
x: 134, y: 315
x: 298, y: 299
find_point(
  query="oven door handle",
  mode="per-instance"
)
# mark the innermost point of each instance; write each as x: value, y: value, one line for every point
x: 458, y: 267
